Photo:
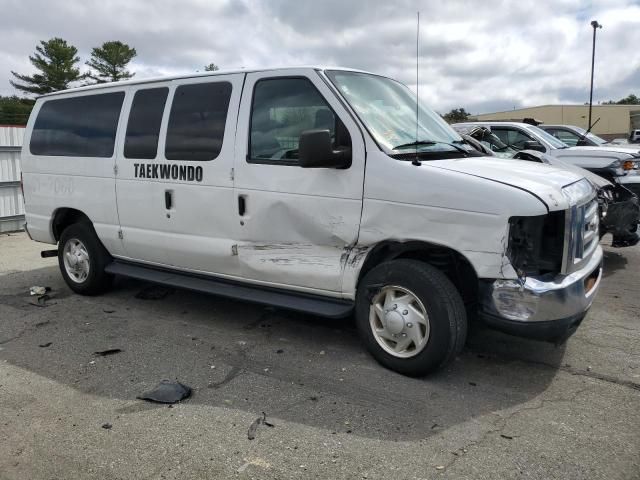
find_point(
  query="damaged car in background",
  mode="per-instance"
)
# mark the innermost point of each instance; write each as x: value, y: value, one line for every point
x: 618, y: 207
x: 618, y: 164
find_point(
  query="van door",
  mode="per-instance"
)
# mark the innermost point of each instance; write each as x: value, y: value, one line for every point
x: 174, y: 183
x: 295, y: 224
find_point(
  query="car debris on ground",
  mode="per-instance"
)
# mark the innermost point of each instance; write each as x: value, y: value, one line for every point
x: 167, y: 391
x: 251, y: 434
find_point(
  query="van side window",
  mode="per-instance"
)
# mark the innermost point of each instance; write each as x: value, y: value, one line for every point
x: 197, y: 120
x: 281, y: 110
x: 78, y: 126
x: 143, y: 128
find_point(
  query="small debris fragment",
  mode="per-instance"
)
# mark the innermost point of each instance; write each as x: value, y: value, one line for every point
x: 313, y: 398
x: 440, y: 467
x: 251, y: 433
x: 321, y: 352
x: 108, y: 311
x: 154, y: 292
x: 589, y: 368
x: 92, y: 362
x: 107, y: 426
x: 36, y: 290
x: 473, y: 384
x: 167, y: 392
x: 508, y: 437
x: 105, y: 353
x: 41, y: 301
x: 45, y: 345
x: 280, y: 351
x: 435, y: 425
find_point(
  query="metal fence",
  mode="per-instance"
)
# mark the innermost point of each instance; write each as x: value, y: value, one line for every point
x: 11, y: 201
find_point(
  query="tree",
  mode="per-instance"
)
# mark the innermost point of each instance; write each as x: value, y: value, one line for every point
x: 212, y: 67
x: 55, y: 60
x: 630, y: 99
x: 110, y: 62
x: 456, y: 115
x: 14, y: 110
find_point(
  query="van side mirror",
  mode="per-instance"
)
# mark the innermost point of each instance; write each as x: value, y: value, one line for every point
x: 315, y: 150
x: 533, y: 145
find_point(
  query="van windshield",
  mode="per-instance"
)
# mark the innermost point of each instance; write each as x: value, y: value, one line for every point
x: 388, y: 110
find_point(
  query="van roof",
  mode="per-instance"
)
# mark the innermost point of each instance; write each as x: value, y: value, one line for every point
x: 198, y: 74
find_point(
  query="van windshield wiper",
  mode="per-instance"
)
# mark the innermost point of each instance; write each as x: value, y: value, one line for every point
x: 431, y: 142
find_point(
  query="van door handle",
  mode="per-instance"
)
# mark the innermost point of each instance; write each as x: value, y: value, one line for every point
x: 168, y: 199
x: 242, y: 205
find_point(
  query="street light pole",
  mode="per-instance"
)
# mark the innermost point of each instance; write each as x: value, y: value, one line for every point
x: 595, y: 26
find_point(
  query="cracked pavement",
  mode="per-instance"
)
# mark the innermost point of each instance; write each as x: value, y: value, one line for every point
x: 506, y: 408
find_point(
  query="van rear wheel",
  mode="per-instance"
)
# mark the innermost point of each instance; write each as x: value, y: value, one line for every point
x: 410, y: 316
x: 82, y: 259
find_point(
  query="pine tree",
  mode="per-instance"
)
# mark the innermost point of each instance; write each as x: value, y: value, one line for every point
x: 110, y: 62
x: 55, y: 60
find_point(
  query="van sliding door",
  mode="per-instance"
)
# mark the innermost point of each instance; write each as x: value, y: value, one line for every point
x: 174, y: 182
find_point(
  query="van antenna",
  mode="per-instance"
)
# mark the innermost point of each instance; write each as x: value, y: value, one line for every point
x: 415, y: 160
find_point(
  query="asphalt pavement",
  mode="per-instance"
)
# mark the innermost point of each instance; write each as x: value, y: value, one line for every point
x: 506, y: 408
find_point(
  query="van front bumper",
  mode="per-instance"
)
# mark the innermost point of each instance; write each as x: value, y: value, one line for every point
x: 547, y: 307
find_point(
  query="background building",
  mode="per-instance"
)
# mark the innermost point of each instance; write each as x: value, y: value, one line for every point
x: 616, y: 121
x: 11, y: 203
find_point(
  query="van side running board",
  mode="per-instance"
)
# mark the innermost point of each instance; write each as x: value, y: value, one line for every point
x: 300, y: 302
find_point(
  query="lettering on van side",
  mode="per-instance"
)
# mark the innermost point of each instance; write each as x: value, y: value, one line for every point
x: 187, y: 173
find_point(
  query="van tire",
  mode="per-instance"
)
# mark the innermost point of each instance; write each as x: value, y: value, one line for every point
x: 434, y: 294
x: 81, y: 237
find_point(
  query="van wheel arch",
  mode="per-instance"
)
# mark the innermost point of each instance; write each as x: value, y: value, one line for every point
x: 451, y: 262
x: 64, y: 217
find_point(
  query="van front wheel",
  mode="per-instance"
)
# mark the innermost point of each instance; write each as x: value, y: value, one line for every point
x: 410, y: 316
x: 82, y: 259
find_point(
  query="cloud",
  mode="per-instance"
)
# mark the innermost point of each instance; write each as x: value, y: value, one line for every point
x: 481, y: 56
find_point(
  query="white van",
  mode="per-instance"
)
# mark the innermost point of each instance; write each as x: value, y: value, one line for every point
x: 634, y: 136
x: 305, y: 188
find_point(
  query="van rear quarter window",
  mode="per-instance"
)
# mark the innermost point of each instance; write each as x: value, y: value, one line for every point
x: 197, y: 121
x: 143, y: 128
x: 78, y: 126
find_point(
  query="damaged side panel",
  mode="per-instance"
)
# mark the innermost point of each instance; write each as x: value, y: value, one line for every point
x: 297, y: 240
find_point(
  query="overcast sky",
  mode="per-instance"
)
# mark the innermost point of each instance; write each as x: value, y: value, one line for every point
x: 484, y: 56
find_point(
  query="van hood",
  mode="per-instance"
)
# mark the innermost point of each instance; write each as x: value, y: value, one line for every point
x: 543, y: 181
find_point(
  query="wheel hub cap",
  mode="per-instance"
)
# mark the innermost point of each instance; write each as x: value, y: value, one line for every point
x: 399, y: 321
x: 76, y: 260
x: 394, y: 322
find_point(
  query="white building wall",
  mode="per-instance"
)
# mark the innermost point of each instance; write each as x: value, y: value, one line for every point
x: 11, y: 201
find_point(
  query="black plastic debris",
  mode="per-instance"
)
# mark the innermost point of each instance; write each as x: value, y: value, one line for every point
x: 154, y: 292
x: 106, y: 353
x: 45, y: 345
x: 107, y: 426
x: 167, y: 392
x: 251, y: 434
x: 109, y: 311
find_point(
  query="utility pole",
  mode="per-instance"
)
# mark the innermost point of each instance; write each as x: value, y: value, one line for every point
x: 595, y: 26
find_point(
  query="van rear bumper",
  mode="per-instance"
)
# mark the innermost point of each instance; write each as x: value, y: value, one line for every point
x: 548, y: 307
